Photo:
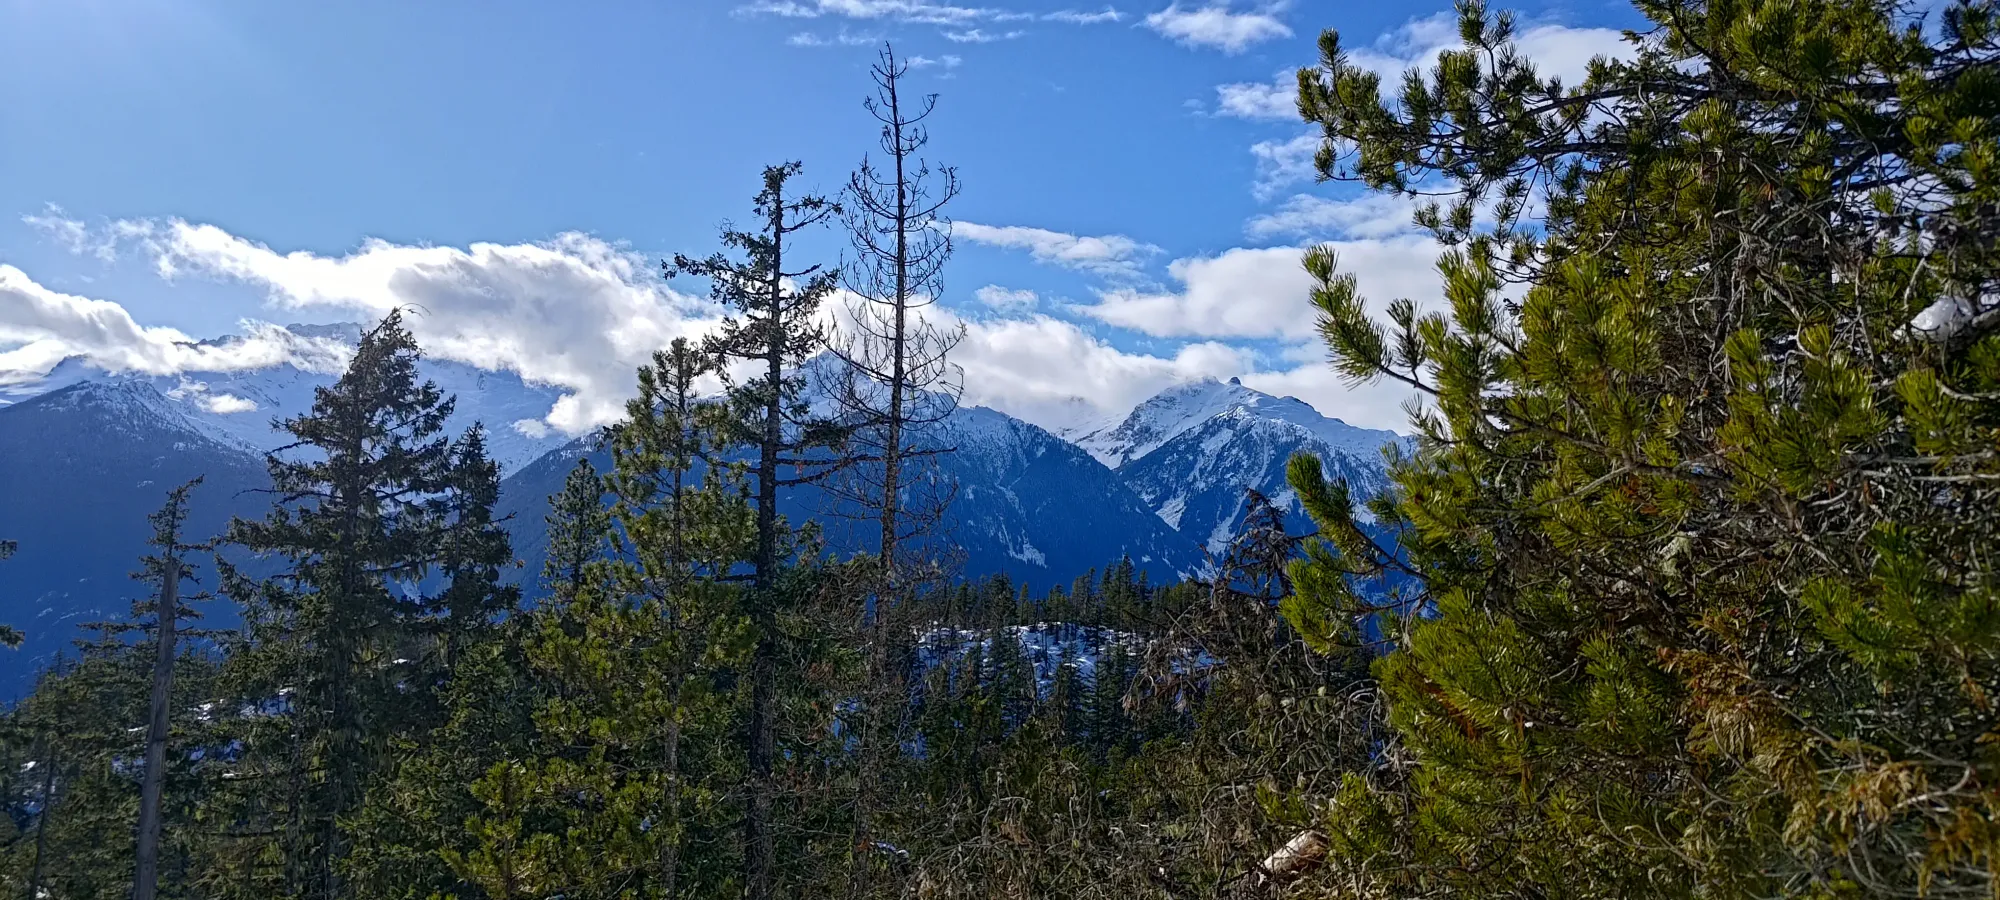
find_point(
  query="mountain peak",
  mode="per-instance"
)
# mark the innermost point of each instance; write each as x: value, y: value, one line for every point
x: 1189, y: 404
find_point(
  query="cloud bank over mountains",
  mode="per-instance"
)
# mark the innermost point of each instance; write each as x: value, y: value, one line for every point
x: 580, y: 313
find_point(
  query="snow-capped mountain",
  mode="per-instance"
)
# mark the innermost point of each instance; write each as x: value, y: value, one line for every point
x: 240, y: 408
x: 1026, y: 503
x: 80, y: 469
x: 1192, y: 450
x: 84, y: 456
x: 1174, y: 411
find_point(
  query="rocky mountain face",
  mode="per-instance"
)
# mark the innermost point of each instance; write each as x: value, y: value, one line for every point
x: 1192, y: 451
x: 1026, y: 504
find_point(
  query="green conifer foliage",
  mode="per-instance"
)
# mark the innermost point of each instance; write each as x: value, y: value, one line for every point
x: 373, y: 498
x: 774, y: 332
x: 1709, y: 466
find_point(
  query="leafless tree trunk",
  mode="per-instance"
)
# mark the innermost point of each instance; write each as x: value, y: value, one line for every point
x: 895, y: 385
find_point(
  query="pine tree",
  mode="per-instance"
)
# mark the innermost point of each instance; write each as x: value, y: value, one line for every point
x: 1702, y: 513
x: 578, y: 525
x: 604, y: 801
x: 775, y: 330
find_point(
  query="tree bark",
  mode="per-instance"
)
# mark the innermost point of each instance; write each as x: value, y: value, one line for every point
x: 760, y: 845
x: 42, y: 821
x: 145, y: 883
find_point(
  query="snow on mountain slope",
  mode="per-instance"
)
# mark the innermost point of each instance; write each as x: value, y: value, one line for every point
x: 1193, y: 450
x: 1024, y: 503
x: 80, y: 469
x: 240, y: 408
x: 1197, y: 481
x: 1177, y: 409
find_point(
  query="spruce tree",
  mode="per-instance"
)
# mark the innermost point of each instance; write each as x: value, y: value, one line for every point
x: 372, y: 498
x: 1702, y: 512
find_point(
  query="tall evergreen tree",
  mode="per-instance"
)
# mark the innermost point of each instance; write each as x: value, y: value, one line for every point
x: 372, y: 498
x: 578, y: 525
x: 775, y: 331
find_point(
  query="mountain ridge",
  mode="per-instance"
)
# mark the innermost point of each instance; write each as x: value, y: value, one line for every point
x: 1034, y: 504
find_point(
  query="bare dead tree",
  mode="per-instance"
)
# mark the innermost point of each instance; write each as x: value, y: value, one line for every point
x: 896, y: 382
x: 894, y: 387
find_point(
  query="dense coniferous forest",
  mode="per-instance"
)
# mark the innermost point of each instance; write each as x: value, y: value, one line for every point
x: 1689, y: 585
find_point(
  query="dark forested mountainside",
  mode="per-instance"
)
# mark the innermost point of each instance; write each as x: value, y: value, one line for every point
x: 1027, y: 503
x: 80, y: 468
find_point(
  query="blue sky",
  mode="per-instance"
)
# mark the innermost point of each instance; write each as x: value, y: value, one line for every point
x: 1134, y: 191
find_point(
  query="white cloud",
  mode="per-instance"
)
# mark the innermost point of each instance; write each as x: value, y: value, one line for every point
x: 923, y: 12
x: 1370, y: 215
x: 1263, y: 293
x: 1057, y: 375
x: 980, y: 36
x: 220, y: 404
x: 224, y: 404
x: 842, y: 39
x: 1111, y: 255
x: 575, y: 312
x: 1053, y: 373
x: 1217, y: 26
x: 947, y: 60
x: 1073, y: 17
x: 80, y: 239
x: 581, y: 314
x: 50, y: 326
x: 1274, y: 99
x: 1375, y: 405
x: 1005, y: 299
x: 1556, y: 50
x: 1281, y: 164
x: 912, y: 11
